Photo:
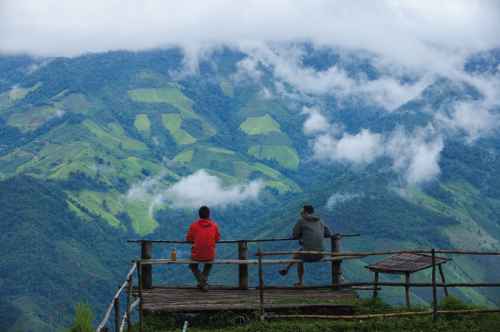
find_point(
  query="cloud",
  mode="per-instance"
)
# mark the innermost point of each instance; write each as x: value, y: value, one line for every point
x: 315, y: 122
x: 195, y: 190
x: 471, y: 118
x: 423, y: 34
x: 362, y: 148
x: 286, y: 64
x: 339, y: 198
x: 416, y: 155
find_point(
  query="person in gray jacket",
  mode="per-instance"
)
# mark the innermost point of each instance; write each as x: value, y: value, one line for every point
x: 310, y: 232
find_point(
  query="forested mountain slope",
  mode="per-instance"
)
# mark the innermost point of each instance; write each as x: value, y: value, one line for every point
x: 103, y: 147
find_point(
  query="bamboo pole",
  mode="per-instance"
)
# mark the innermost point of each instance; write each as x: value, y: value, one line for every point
x: 239, y: 240
x: 434, y: 289
x: 243, y: 268
x: 141, y: 300
x: 441, y: 273
x: 102, y: 325
x: 129, y: 297
x: 388, y: 315
x: 116, y: 305
x: 407, y: 289
x: 261, y: 287
x: 375, y: 284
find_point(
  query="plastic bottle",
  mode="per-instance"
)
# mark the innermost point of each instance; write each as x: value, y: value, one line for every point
x: 173, y: 255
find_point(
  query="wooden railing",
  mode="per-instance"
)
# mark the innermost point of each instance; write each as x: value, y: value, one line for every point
x: 242, y: 245
x: 358, y: 255
x: 119, y: 320
x: 143, y: 267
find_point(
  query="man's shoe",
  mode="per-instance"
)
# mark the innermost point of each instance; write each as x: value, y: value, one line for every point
x: 283, y: 272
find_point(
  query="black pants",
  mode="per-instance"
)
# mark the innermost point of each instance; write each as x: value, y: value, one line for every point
x: 196, y: 271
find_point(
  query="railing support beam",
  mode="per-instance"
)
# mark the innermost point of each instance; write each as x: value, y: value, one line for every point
x: 147, y: 270
x: 336, y: 265
x: 243, y: 268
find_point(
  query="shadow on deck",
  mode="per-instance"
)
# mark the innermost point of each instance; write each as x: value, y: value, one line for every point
x: 317, y: 300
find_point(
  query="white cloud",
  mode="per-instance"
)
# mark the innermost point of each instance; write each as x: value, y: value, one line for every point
x: 195, y: 190
x: 285, y: 62
x: 416, y: 155
x: 362, y: 148
x: 472, y: 118
x: 315, y: 122
x: 414, y: 33
x: 339, y: 198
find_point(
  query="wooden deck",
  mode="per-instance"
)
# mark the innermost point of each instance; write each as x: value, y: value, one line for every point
x: 167, y: 299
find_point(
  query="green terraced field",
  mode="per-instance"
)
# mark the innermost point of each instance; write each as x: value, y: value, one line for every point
x: 184, y: 157
x: 172, y: 123
x: 260, y: 125
x: 32, y: 119
x: 114, y: 139
x: 169, y: 95
x: 142, y: 123
x: 282, y: 154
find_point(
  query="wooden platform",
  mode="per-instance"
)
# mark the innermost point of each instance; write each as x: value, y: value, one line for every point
x: 166, y: 299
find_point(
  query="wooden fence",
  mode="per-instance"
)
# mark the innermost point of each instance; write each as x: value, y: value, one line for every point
x: 121, y: 320
x: 434, y: 306
x: 143, y: 267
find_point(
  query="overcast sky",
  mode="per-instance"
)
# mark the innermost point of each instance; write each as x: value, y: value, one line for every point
x: 411, y: 32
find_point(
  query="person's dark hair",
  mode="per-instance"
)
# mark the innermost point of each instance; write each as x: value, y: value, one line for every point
x: 204, y: 212
x: 308, y: 209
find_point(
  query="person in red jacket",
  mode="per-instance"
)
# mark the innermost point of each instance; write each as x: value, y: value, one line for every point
x: 203, y: 233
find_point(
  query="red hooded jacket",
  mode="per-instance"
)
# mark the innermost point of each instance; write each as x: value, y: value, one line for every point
x: 204, y: 233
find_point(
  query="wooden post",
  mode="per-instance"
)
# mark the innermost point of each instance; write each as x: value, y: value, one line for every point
x: 141, y: 304
x: 442, y: 279
x: 243, y: 268
x: 407, y: 289
x: 129, y: 298
x: 375, y: 285
x: 147, y: 269
x: 116, y: 306
x: 261, y: 285
x: 434, y: 290
x: 336, y: 265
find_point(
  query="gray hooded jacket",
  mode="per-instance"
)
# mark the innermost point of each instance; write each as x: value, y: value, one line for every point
x: 311, y: 232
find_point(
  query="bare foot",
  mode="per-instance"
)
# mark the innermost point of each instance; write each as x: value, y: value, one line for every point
x: 298, y: 285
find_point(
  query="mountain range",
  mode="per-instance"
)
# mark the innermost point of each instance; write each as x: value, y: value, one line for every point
x: 104, y: 147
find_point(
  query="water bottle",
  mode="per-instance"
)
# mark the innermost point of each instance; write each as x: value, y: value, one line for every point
x: 173, y: 255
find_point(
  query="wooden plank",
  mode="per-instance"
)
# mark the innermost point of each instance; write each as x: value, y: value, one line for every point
x: 164, y: 261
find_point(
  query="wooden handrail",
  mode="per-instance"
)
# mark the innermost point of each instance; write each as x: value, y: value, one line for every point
x: 104, y: 321
x: 167, y: 261
x: 235, y: 241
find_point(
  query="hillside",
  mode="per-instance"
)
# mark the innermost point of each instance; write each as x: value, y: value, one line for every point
x: 103, y: 147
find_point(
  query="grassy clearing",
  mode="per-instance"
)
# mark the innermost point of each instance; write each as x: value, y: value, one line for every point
x: 184, y: 157
x: 246, y: 322
x: 260, y: 125
x: 18, y: 93
x: 30, y: 120
x: 282, y: 154
x: 168, y: 95
x: 142, y: 123
x: 115, y: 137
x: 172, y: 122
x: 142, y: 222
